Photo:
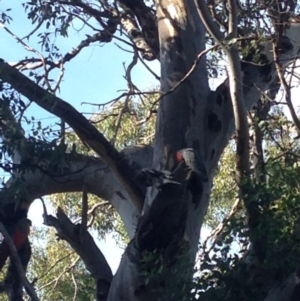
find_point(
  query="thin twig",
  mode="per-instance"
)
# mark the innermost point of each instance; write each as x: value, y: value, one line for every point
x: 56, y: 280
x: 54, y: 266
x: 186, y: 76
x: 208, y: 21
x: 286, y: 88
x: 131, y: 90
x: 110, y: 102
x: 45, y: 214
x: 75, y: 286
x: 215, y: 234
x: 148, y: 68
x: 21, y: 42
x: 93, y: 210
x: 84, y: 211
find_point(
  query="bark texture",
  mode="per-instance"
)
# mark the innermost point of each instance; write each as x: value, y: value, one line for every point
x: 191, y: 116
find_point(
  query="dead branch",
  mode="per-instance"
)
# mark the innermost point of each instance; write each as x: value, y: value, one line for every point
x: 131, y: 90
x: 84, y: 245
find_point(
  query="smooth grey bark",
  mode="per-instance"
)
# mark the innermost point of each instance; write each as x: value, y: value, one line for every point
x: 181, y: 115
x: 190, y: 116
x: 201, y: 119
x: 84, y: 245
x: 77, y: 170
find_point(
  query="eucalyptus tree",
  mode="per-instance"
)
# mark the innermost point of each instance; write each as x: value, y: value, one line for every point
x: 257, y: 41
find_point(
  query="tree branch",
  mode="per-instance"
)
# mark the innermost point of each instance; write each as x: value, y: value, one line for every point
x: 75, y: 171
x: 236, y: 89
x: 84, y: 211
x: 16, y: 260
x: 208, y: 22
x: 83, y: 128
x: 12, y: 133
x: 84, y: 245
x: 147, y: 22
x: 233, y: 21
x: 235, y: 82
x: 287, y: 90
x: 256, y: 79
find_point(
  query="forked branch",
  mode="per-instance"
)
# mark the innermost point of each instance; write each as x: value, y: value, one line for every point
x: 83, y: 128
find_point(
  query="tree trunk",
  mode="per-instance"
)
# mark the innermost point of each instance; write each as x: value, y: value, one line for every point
x: 190, y: 115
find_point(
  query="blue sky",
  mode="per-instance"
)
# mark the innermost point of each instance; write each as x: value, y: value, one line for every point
x: 95, y: 76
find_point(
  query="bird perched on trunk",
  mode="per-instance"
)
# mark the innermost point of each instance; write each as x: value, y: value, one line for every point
x: 193, y: 162
x: 19, y: 234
